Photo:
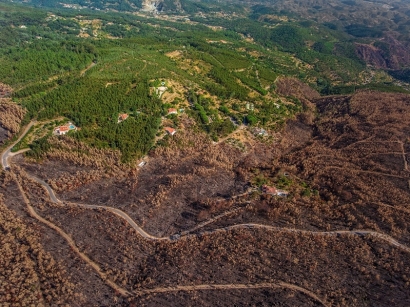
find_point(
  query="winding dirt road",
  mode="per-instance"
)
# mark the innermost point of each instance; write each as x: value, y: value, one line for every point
x: 279, y: 284
x: 139, y: 292
x: 175, y: 237
x: 144, y: 234
x: 70, y: 241
x: 366, y: 172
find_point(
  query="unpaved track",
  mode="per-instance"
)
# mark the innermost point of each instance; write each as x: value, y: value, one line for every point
x: 392, y: 207
x: 403, y: 152
x: 358, y: 232
x: 210, y: 221
x: 234, y: 287
x: 82, y: 73
x: 365, y: 172
x: 7, y: 152
x: 126, y: 217
x: 146, y: 235
x: 139, y: 292
x: 49, y: 190
x: 138, y: 229
x: 70, y: 242
x: 370, y: 141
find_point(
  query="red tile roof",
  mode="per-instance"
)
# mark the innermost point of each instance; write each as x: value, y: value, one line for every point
x: 172, y: 111
x: 63, y: 128
x: 124, y: 116
x: 170, y: 130
x: 269, y: 190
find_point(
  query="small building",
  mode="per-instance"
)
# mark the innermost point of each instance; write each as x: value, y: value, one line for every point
x: 269, y: 190
x: 142, y: 163
x: 160, y: 90
x: 172, y: 111
x: 170, y: 131
x: 61, y: 130
x: 260, y: 131
x: 122, y: 117
x: 250, y: 106
x: 274, y: 191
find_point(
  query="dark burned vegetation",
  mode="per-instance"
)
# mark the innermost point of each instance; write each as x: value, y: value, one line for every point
x: 29, y: 274
x: 345, y: 170
x: 343, y: 270
x: 201, y: 222
x: 11, y: 114
x: 360, y: 146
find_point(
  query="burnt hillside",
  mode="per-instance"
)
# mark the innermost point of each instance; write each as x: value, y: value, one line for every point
x: 359, y: 148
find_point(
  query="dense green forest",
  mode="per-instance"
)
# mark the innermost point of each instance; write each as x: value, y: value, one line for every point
x: 90, y: 67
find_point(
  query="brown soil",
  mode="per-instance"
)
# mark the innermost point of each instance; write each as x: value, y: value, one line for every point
x: 5, y: 90
x: 294, y: 87
x: 174, y: 54
x: 179, y: 93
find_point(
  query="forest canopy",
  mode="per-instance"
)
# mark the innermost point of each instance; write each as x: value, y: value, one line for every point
x: 93, y: 66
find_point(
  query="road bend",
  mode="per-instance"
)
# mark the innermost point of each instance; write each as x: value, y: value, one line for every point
x: 70, y: 242
x: 7, y: 152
